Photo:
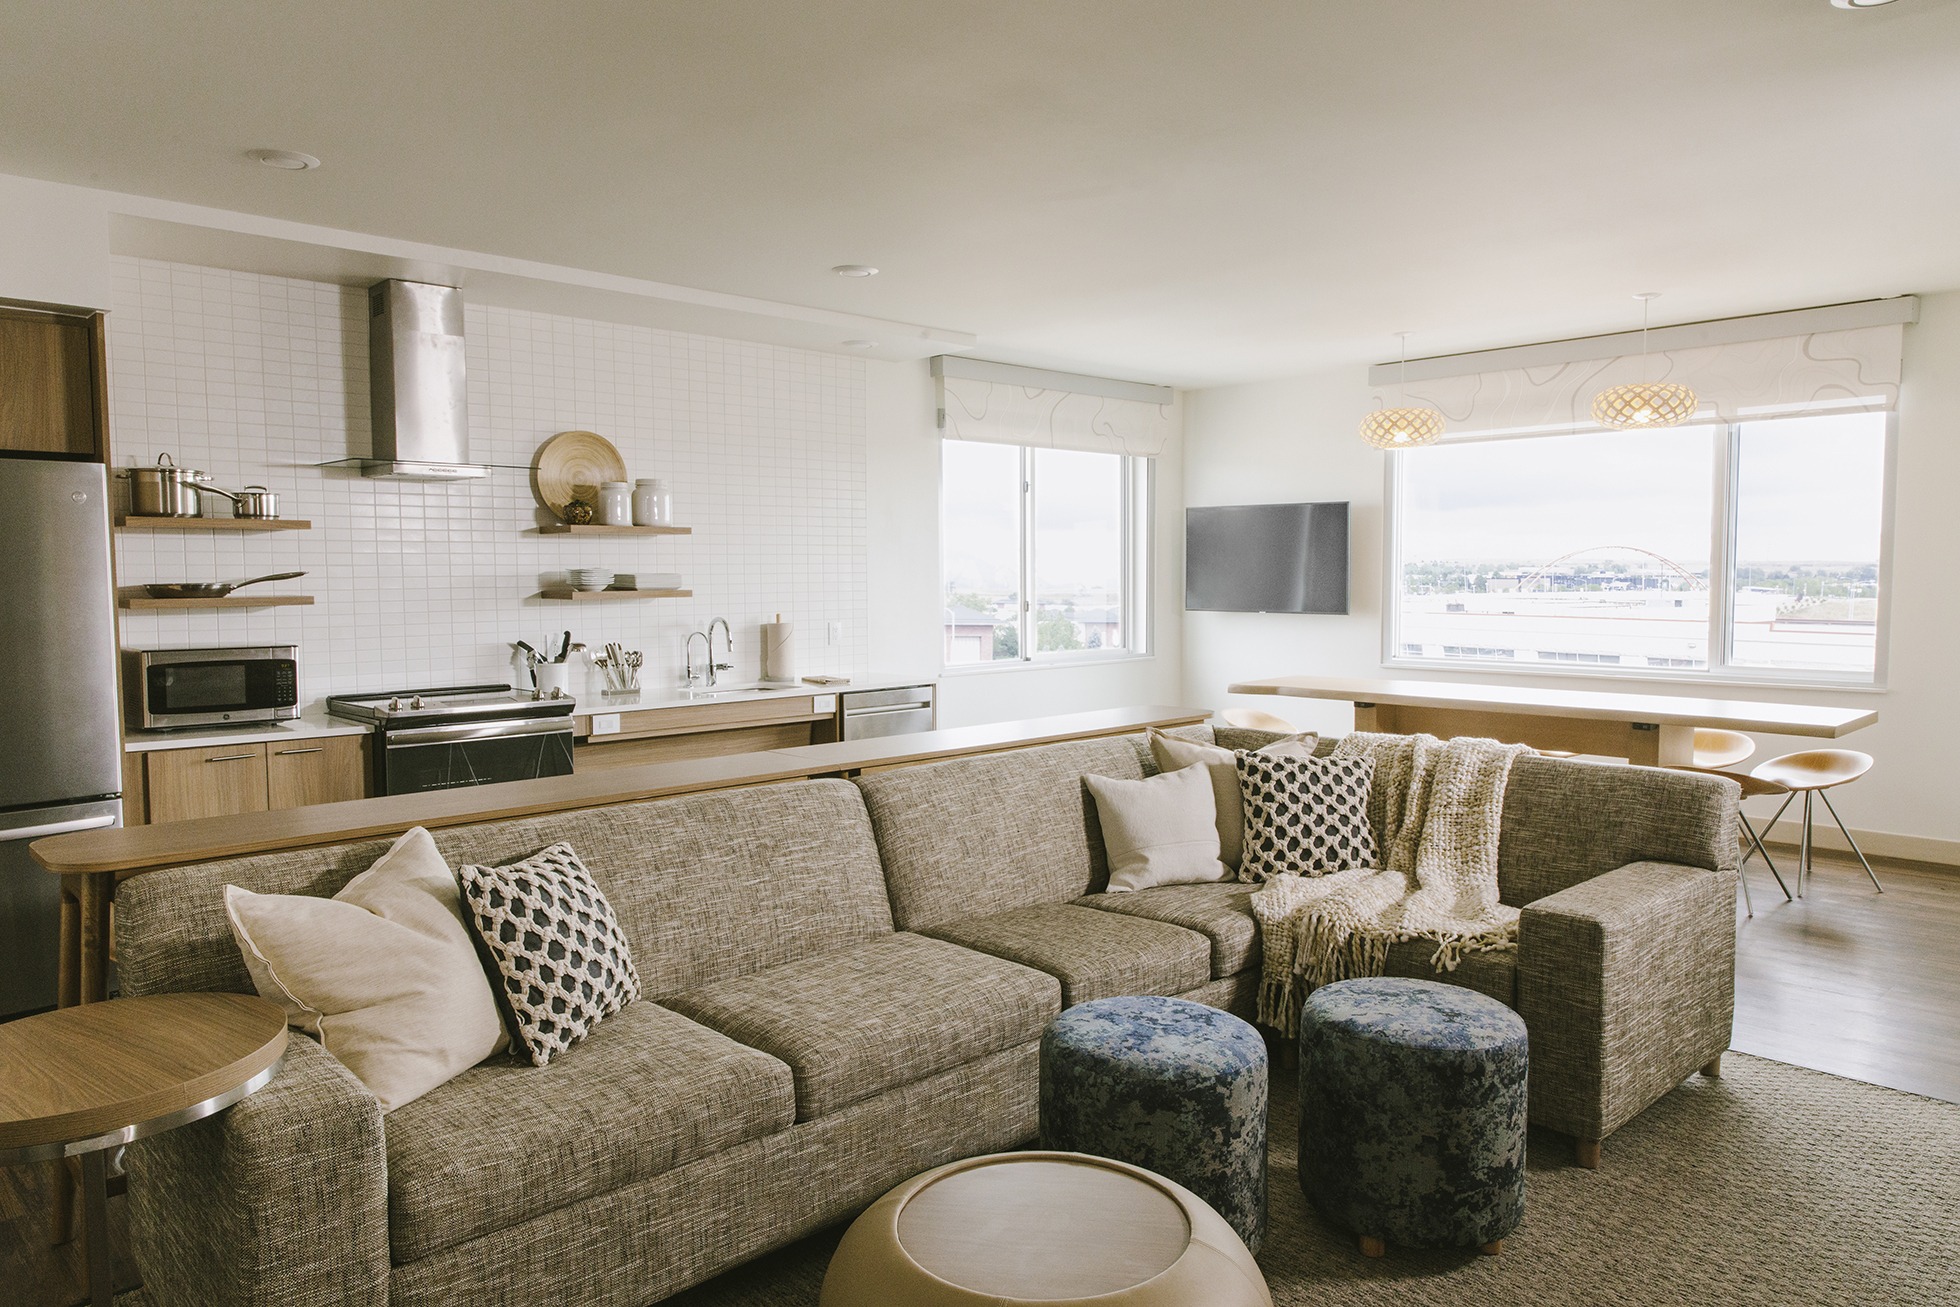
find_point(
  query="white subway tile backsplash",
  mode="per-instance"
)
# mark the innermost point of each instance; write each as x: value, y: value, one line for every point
x: 259, y: 379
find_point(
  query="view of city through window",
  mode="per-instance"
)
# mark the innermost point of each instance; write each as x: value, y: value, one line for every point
x: 1062, y: 542
x: 1596, y: 549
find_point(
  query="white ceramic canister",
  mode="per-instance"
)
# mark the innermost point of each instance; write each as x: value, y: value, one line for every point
x: 646, y: 502
x: 615, y: 504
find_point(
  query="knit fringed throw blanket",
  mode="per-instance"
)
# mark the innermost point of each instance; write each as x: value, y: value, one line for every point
x: 1436, y: 808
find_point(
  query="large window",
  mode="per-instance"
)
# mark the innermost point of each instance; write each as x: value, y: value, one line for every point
x: 1043, y: 552
x: 1749, y: 550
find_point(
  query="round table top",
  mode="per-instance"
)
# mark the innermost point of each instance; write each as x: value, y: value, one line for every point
x: 116, y: 1070
x: 1043, y: 1226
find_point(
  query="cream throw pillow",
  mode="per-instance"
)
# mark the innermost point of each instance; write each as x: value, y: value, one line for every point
x: 1161, y: 830
x: 384, y: 973
x: 1174, y: 754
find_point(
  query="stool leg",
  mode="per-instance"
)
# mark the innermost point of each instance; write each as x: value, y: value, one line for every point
x: 1373, y: 1247
x: 1768, y: 861
x: 1803, y: 848
x: 1854, y: 843
x: 1742, y: 879
x: 95, y: 1223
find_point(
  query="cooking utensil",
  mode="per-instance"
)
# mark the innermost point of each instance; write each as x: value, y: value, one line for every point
x: 161, y: 491
x: 211, y: 589
x: 565, y: 649
x: 251, y: 502
x: 573, y: 465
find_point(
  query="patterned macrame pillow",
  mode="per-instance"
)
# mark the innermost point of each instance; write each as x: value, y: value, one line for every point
x: 1305, y: 815
x: 558, y: 950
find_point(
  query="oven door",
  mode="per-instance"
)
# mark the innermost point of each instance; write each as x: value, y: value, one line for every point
x: 421, y: 758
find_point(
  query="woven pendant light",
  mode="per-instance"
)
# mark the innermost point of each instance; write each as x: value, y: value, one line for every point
x: 1402, y: 428
x: 1639, y: 405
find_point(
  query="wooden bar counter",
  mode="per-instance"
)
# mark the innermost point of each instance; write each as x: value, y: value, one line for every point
x: 93, y: 862
x: 1653, y: 730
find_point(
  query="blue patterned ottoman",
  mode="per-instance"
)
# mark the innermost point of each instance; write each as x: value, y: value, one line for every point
x: 1166, y: 1084
x: 1412, y: 1113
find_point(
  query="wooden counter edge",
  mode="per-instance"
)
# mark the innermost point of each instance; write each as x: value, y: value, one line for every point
x: 132, y: 851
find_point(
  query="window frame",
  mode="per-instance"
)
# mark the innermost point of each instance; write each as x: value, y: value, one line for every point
x: 1138, y: 553
x: 1727, y: 454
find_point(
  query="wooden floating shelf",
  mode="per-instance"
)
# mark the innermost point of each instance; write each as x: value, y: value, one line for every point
x: 229, y: 601
x: 213, y: 524
x: 562, y: 592
x: 595, y: 529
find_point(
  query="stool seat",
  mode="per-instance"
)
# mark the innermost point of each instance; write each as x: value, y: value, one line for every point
x: 1715, y: 749
x: 1252, y: 719
x: 1166, y: 1084
x: 1814, y: 769
x: 1412, y: 1113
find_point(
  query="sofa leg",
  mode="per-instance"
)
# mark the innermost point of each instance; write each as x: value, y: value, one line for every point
x: 1713, y: 1070
x: 1373, y: 1247
x: 1491, y: 1249
x: 1587, y: 1151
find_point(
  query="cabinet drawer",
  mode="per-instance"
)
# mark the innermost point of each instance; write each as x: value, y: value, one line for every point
x: 325, y: 769
x: 207, y: 782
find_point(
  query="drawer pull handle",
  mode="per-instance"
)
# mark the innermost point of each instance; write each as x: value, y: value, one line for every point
x: 232, y: 757
x: 288, y: 752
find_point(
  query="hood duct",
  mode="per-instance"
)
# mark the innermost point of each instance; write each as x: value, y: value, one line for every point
x: 416, y: 383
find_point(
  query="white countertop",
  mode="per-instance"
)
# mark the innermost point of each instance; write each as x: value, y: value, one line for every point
x: 653, y: 698
x: 308, y: 726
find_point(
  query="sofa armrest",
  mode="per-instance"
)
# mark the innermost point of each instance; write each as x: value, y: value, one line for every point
x: 1627, y: 985
x: 282, y: 1198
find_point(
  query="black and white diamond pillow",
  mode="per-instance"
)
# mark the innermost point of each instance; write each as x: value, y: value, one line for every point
x: 557, y: 947
x: 1305, y: 815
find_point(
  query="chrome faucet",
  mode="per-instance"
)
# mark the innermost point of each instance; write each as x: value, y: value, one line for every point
x: 728, y: 648
x: 692, y: 636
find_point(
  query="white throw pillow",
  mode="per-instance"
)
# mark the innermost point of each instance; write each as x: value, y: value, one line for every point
x: 385, y: 973
x: 1162, y: 830
x: 1175, y: 754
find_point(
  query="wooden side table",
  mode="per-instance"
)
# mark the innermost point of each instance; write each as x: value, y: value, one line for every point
x: 83, y: 1080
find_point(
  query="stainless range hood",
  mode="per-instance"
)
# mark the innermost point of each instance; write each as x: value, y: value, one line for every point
x: 415, y: 379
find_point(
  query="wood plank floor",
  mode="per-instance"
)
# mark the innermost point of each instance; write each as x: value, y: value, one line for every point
x: 1844, y: 980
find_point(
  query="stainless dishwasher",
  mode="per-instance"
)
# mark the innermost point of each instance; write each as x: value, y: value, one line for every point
x: 869, y: 714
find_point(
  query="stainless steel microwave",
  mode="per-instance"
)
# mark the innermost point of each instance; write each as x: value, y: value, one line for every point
x: 169, y: 689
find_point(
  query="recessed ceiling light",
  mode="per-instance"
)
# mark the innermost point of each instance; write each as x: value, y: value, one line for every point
x: 289, y: 160
x: 1858, y: 4
x: 855, y: 270
x: 860, y: 344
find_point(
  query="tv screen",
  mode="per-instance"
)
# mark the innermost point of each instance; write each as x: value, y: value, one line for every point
x: 1266, y: 558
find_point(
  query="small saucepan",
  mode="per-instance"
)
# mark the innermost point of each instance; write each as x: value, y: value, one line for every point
x: 252, y: 501
x: 211, y: 589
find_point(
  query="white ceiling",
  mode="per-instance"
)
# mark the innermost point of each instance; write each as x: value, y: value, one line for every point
x: 1163, y: 190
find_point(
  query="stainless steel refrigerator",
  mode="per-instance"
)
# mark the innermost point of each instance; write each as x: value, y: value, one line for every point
x: 60, y: 748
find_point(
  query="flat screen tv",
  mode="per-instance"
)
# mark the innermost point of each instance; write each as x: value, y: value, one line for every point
x: 1266, y: 558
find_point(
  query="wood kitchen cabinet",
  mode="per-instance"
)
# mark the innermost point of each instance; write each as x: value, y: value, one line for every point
x: 51, y: 383
x: 224, y: 780
x: 328, y: 769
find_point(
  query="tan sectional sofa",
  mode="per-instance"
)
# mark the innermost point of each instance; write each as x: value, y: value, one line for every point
x: 845, y: 984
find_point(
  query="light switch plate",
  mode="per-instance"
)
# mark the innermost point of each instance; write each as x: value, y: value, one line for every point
x: 605, y: 723
x: 823, y: 703
x: 835, y: 632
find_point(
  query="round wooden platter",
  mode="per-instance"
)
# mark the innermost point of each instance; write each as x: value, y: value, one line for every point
x: 571, y: 465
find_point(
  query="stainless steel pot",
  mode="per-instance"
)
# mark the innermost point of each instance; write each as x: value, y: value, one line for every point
x: 252, y: 501
x: 162, y: 491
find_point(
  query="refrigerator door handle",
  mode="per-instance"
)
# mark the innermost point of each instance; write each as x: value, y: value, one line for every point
x: 59, y: 827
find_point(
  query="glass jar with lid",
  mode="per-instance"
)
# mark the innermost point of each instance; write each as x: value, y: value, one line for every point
x: 653, y: 503
x: 615, y: 504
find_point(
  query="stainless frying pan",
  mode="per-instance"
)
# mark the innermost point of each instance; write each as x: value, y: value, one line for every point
x: 211, y: 589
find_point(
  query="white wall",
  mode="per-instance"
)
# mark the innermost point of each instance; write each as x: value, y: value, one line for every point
x: 54, y: 244
x: 906, y: 599
x: 1295, y: 440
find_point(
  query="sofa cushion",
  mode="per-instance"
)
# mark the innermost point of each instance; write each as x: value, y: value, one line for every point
x: 1094, y: 954
x: 1221, y: 913
x: 976, y: 836
x: 715, y: 886
x: 1494, y: 973
x: 506, y: 1141
x: 886, y: 1013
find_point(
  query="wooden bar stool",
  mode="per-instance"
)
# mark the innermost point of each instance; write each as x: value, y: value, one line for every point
x: 1812, y: 773
x: 1252, y: 719
x: 1715, y: 752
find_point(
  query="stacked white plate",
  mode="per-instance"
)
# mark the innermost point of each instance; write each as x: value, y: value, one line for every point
x: 590, y: 578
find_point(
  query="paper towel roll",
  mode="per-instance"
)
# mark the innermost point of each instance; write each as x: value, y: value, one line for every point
x: 779, y: 651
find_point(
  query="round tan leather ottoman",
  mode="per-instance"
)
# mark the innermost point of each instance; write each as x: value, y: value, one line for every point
x: 1054, y: 1228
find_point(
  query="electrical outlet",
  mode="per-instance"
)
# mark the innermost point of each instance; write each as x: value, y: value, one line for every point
x: 605, y: 723
x: 834, y: 632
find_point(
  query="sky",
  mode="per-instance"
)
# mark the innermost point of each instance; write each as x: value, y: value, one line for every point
x: 1810, y: 490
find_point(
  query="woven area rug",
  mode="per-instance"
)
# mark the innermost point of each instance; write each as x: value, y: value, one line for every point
x: 1773, y: 1185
